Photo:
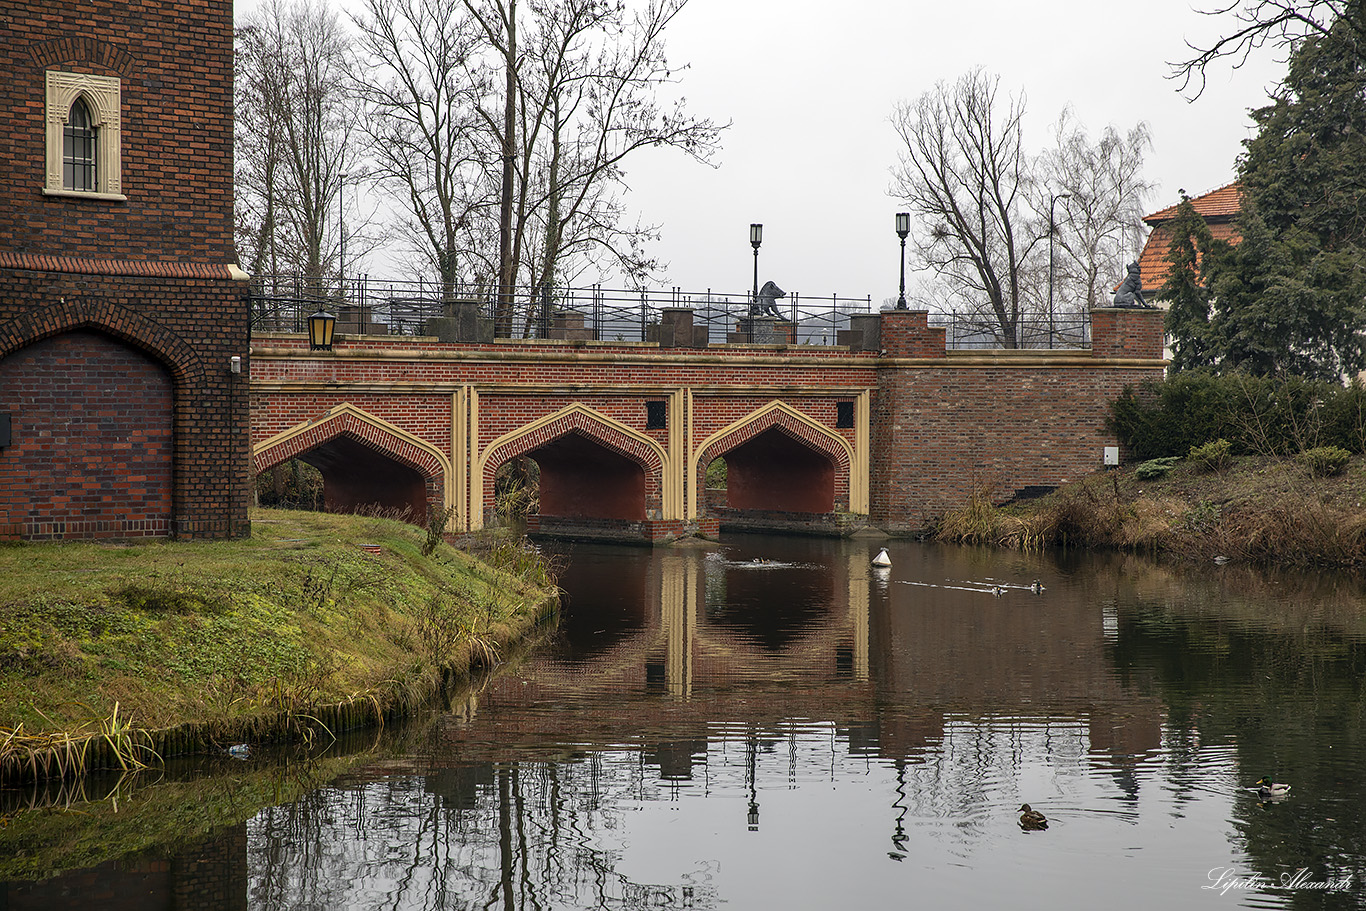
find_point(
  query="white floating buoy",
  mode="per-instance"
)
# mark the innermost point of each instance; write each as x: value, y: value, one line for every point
x: 882, y: 559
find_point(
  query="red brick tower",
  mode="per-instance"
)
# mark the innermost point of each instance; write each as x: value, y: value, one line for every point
x: 122, y: 411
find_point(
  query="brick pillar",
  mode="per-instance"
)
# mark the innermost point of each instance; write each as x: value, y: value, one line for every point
x: 1127, y: 332
x: 676, y: 328
x: 907, y: 333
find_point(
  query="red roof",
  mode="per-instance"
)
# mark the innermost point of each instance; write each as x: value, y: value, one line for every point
x: 1218, y: 207
x: 1222, y: 202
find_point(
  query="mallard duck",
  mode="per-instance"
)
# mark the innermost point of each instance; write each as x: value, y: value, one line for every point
x: 1032, y: 819
x: 997, y: 590
x: 1268, y: 788
x: 1036, y: 587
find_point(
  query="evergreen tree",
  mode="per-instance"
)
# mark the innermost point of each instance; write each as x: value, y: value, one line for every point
x: 1292, y: 296
x: 1184, y: 291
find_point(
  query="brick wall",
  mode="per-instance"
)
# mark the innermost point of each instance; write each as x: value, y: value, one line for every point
x: 150, y: 272
x: 91, y: 453
x: 174, y: 65
x: 1003, y: 424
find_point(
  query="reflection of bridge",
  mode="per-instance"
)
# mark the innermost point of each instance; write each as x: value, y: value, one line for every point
x: 684, y: 641
x: 814, y: 439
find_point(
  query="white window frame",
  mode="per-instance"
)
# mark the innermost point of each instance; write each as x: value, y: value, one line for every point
x: 103, y: 98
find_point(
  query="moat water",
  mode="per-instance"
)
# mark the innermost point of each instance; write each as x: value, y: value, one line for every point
x: 773, y: 723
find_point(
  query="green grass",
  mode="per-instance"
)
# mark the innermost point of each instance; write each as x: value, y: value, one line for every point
x: 300, y: 614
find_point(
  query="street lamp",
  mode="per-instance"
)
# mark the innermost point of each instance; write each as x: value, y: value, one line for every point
x: 903, y: 227
x: 341, y: 228
x: 756, y: 237
x: 1052, y: 229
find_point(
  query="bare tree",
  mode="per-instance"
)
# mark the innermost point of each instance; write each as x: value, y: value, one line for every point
x: 1100, y: 193
x: 964, y: 173
x: 1279, y: 23
x: 580, y: 83
x: 291, y: 56
x: 414, y: 80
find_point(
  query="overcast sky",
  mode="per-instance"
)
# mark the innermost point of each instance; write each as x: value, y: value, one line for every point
x: 809, y: 88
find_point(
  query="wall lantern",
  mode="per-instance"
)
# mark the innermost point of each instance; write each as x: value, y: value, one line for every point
x: 320, y: 327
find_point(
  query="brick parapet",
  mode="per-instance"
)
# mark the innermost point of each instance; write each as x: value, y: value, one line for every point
x: 1127, y: 332
x: 907, y: 333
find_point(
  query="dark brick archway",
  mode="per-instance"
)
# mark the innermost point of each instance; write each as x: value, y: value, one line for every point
x: 776, y: 472
x: 93, y: 448
x: 581, y: 478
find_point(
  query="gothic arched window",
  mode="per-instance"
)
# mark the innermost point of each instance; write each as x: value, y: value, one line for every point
x: 79, y: 149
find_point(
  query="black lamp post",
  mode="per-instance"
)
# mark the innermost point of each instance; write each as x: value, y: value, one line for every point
x: 756, y: 237
x: 903, y: 227
x: 320, y: 328
x: 1052, y: 201
x: 341, y: 230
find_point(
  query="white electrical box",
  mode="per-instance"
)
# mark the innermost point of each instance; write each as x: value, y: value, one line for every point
x: 1111, y: 456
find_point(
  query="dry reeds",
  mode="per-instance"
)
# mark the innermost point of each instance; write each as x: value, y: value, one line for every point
x: 979, y: 522
x: 63, y: 754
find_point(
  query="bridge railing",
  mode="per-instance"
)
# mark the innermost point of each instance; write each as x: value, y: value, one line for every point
x: 367, y: 306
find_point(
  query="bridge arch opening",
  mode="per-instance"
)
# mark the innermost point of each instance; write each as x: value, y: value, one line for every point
x: 359, y: 478
x: 580, y: 478
x: 774, y: 471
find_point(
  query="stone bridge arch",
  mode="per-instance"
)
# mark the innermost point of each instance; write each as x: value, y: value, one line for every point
x: 364, y: 460
x: 794, y: 451
x: 570, y: 434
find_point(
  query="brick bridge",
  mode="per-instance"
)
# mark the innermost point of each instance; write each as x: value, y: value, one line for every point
x: 816, y: 439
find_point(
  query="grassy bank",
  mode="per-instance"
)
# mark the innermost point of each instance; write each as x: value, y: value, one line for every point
x: 314, y: 618
x: 1256, y: 510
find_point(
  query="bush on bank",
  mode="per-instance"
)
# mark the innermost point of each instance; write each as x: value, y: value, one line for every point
x: 1256, y: 415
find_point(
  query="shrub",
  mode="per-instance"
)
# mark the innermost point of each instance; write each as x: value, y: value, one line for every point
x: 1155, y: 468
x: 1261, y: 415
x: 1213, y: 456
x: 1325, y: 461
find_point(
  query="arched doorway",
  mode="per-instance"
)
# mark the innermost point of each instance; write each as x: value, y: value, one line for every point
x: 92, y: 445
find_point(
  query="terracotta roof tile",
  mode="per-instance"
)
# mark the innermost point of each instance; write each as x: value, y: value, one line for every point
x: 1220, y: 203
x: 1153, y: 263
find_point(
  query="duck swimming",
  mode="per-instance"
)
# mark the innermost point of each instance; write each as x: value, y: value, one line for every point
x: 1268, y: 788
x: 1032, y: 820
x: 1036, y: 587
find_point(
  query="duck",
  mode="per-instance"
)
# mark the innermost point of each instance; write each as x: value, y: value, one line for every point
x: 1031, y: 819
x: 997, y: 590
x: 882, y: 559
x: 1036, y: 587
x: 1268, y: 788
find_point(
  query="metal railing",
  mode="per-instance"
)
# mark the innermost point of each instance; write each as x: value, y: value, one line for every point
x: 366, y: 306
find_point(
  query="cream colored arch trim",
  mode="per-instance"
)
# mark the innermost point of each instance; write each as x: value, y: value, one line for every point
x: 858, y: 458
x: 346, y: 409
x: 671, y: 484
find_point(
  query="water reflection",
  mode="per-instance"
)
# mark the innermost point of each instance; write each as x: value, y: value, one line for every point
x: 775, y: 723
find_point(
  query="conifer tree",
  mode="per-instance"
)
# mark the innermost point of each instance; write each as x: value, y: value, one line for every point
x: 1188, y: 311
x: 1291, y: 298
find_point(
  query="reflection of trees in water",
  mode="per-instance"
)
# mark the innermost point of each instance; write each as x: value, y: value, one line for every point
x: 522, y: 836
x: 1281, y: 688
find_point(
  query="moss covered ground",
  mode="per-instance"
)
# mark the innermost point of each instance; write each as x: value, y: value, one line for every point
x: 312, y: 609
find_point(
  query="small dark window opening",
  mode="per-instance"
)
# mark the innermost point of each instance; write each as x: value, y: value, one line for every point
x: 656, y: 415
x: 79, y: 140
x: 844, y: 415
